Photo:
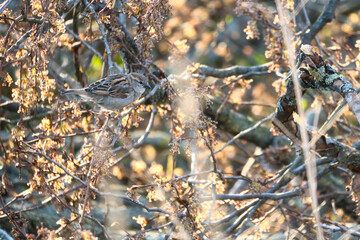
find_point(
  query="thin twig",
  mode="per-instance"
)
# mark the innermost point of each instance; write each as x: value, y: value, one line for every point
x: 142, y: 100
x: 242, y: 133
x: 141, y: 140
x: 83, y: 42
x: 4, y: 5
x: 21, y: 39
x: 271, y: 196
x: 148, y: 230
x: 108, y: 51
x: 14, y: 223
x: 326, y: 16
x: 88, y: 176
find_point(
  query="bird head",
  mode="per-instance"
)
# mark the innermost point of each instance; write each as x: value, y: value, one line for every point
x: 140, y: 79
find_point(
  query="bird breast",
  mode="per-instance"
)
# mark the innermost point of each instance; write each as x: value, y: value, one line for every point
x: 112, y: 103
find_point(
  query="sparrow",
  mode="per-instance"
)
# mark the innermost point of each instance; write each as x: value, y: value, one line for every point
x: 113, y: 92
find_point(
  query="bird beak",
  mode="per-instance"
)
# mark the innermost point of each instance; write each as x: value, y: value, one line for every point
x: 147, y: 85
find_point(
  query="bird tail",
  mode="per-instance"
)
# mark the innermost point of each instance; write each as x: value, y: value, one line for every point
x: 80, y: 92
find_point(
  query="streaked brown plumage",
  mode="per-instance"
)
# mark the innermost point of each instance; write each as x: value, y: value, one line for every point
x: 113, y: 92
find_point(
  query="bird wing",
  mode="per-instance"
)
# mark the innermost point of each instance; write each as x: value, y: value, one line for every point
x: 116, y: 86
x: 119, y: 91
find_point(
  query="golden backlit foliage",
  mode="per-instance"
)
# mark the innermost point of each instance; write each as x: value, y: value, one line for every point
x: 188, y: 161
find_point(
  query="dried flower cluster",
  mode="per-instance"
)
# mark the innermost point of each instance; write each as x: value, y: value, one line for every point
x: 196, y: 157
x: 150, y: 16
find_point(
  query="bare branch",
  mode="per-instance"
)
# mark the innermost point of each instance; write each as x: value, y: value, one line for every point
x: 4, y: 5
x: 231, y: 71
x: 326, y: 16
x: 110, y: 62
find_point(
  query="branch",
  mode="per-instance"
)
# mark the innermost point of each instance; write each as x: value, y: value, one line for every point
x: 144, y: 99
x: 141, y: 140
x: 88, y: 176
x: 242, y: 133
x: 272, y: 196
x: 285, y: 178
x: 148, y: 230
x: 341, y: 228
x: 318, y: 75
x: 235, y: 122
x: 27, y: 193
x: 4, y: 5
x: 18, y: 228
x: 326, y: 16
x: 61, y: 76
x: 83, y: 42
x: 231, y: 71
x: 110, y: 63
x: 21, y: 39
